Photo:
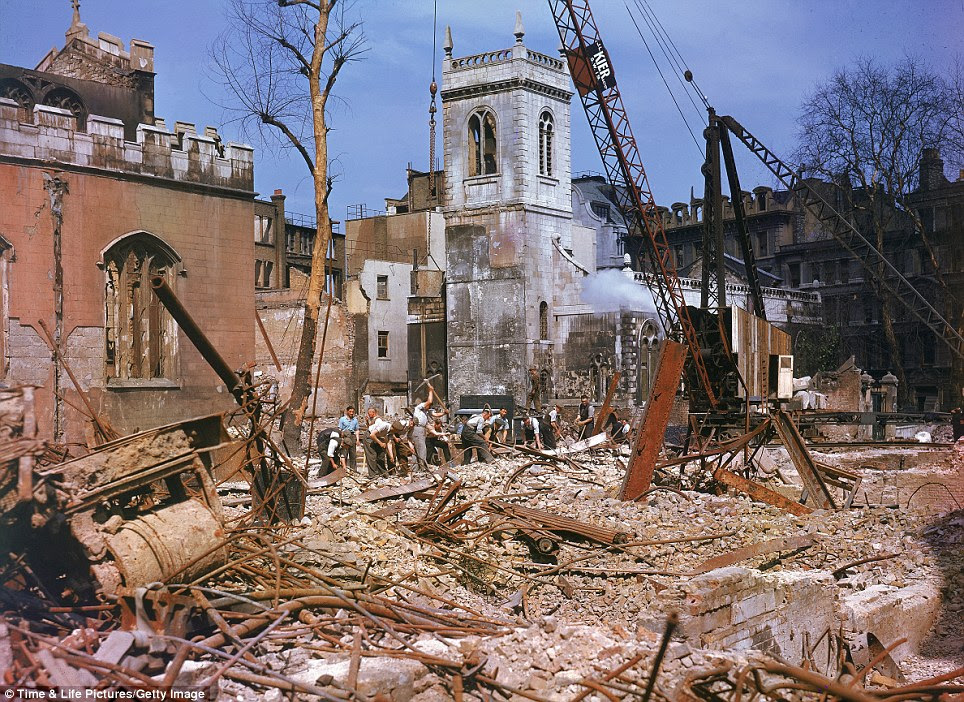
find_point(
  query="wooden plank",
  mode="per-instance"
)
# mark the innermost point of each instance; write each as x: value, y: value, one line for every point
x: 649, y: 439
x: 758, y: 492
x: 583, y: 445
x: 397, y: 490
x: 803, y: 461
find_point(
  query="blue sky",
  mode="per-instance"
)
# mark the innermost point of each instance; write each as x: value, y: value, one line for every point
x: 754, y: 59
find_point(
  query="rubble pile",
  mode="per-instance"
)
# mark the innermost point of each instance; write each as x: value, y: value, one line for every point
x: 523, y: 578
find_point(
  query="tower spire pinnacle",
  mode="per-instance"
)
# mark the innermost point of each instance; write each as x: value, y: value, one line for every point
x: 77, y: 28
x: 519, y: 30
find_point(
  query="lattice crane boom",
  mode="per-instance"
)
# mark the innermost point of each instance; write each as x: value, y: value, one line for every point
x: 847, y: 235
x: 595, y: 81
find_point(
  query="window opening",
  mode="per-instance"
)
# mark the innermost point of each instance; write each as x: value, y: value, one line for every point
x: 140, y: 335
x: 545, y: 144
x: 482, y: 158
x: 262, y: 230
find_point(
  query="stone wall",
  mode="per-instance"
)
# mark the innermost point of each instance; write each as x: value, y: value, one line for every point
x: 282, y: 313
x: 787, y: 613
x: 185, y: 158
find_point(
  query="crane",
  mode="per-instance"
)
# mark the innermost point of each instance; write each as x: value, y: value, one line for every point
x: 711, y: 371
x: 847, y: 235
x: 595, y: 81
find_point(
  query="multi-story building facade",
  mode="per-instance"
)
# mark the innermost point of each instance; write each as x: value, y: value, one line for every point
x: 795, y: 253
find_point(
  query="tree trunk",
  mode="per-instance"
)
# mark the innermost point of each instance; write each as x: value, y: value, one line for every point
x: 297, y: 405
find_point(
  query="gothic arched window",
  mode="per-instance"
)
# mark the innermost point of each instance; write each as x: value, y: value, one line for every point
x: 141, y: 337
x: 482, y: 144
x: 545, y: 144
x: 20, y: 94
x: 68, y: 100
x: 544, y: 321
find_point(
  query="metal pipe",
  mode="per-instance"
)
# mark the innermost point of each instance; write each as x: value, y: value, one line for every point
x: 193, y: 332
x: 671, y: 622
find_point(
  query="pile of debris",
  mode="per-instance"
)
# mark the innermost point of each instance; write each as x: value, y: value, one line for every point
x: 178, y: 561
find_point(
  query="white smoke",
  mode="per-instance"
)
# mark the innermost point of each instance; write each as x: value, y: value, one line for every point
x: 611, y: 290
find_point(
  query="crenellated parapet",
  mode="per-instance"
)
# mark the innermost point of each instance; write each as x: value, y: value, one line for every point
x: 182, y: 156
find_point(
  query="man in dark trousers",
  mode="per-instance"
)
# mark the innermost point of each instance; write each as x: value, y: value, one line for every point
x: 472, y: 438
x: 436, y: 440
x: 532, y: 399
x: 587, y: 414
x: 376, y: 444
x: 533, y: 432
x: 328, y: 442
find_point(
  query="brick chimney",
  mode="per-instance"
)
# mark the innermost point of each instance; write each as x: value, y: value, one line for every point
x: 931, y: 170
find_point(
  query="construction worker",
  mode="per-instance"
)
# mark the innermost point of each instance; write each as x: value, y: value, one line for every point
x: 534, y: 386
x: 328, y: 443
x: 533, y: 432
x: 421, y: 419
x: 587, y: 415
x: 472, y: 438
x: 437, y: 440
x: 500, y: 426
x: 376, y: 444
x: 348, y: 429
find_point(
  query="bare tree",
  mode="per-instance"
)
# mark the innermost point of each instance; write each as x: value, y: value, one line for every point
x: 280, y: 60
x: 955, y: 155
x: 868, y: 125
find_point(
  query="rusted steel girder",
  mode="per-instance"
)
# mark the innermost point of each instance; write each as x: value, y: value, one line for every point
x: 555, y: 523
x: 193, y: 332
x: 758, y: 492
x: 604, y: 410
x: 791, y: 543
x: 649, y: 439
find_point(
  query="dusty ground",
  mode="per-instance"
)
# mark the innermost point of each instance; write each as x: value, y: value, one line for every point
x: 608, y: 604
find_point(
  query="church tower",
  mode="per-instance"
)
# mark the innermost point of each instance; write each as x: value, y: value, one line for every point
x: 508, y: 207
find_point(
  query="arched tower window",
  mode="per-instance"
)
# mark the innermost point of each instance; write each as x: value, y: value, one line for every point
x: 546, y: 154
x: 482, y: 144
x: 141, y: 337
x: 544, y: 321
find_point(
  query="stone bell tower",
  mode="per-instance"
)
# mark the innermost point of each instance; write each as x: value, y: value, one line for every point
x: 508, y: 206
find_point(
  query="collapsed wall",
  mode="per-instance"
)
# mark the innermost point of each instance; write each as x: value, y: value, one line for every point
x: 798, y: 615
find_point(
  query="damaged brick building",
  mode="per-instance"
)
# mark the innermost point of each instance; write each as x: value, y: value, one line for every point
x: 99, y: 195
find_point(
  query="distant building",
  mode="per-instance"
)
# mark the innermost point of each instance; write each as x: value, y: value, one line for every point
x: 276, y: 254
x: 395, y: 263
x: 797, y: 258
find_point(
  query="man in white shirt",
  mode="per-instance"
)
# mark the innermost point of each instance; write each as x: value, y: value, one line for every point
x: 555, y: 417
x: 472, y: 438
x: 329, y: 443
x: 420, y: 417
x: 376, y: 443
x: 533, y: 432
x: 499, y: 426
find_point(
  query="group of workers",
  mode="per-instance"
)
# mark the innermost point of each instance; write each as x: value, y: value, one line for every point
x: 389, y: 445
